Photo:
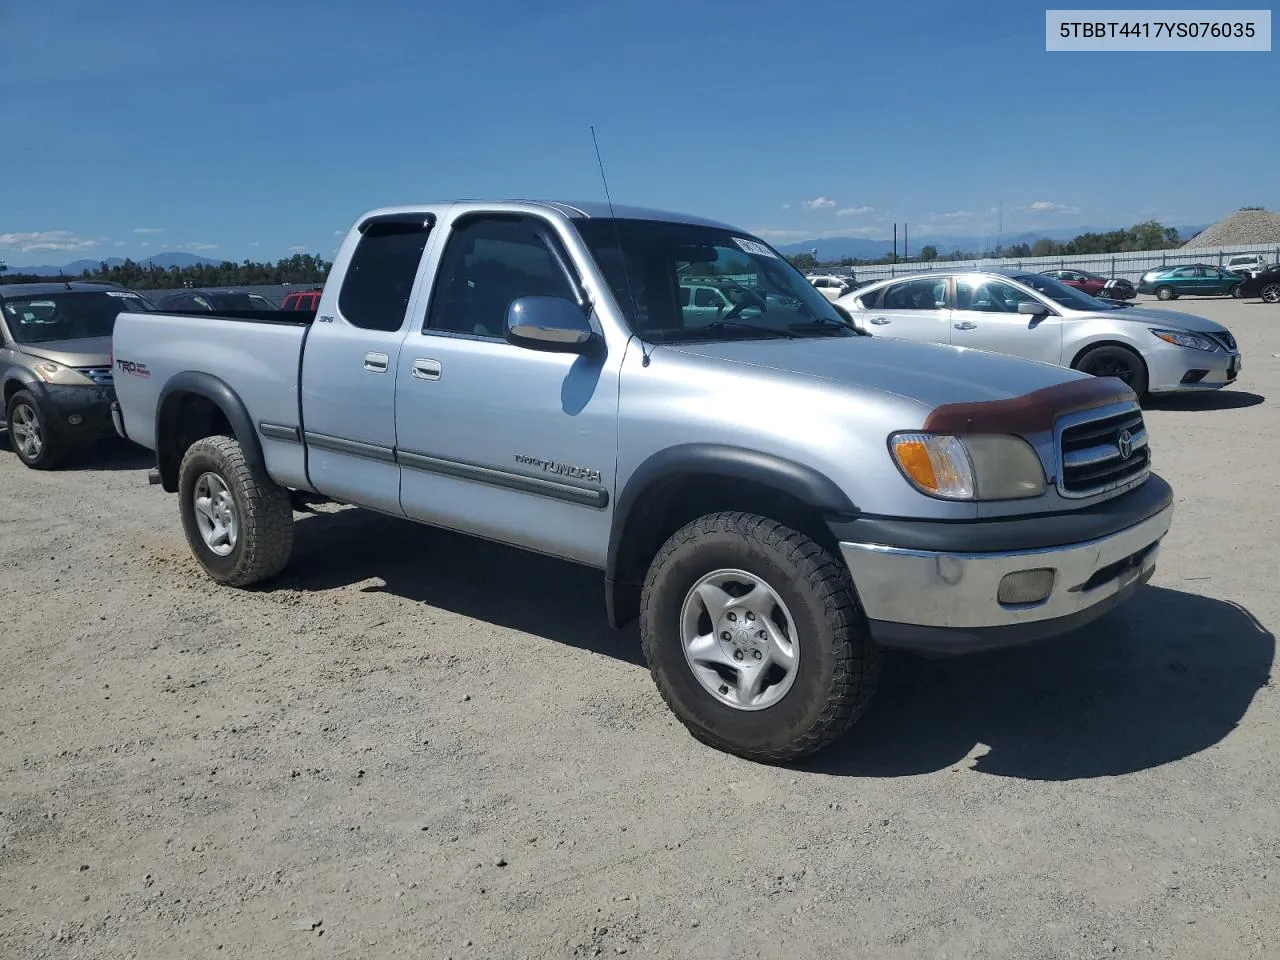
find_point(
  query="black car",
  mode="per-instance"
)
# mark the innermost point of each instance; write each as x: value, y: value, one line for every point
x: 1118, y: 289
x: 55, y: 365
x: 214, y: 301
x: 1265, y: 285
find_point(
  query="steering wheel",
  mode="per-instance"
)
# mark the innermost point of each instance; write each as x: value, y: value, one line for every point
x: 749, y: 298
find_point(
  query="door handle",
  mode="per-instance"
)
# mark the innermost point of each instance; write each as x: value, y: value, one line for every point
x: 880, y: 321
x: 424, y: 369
x: 967, y: 325
x: 376, y: 362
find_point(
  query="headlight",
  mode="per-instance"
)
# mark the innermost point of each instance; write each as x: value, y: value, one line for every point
x: 51, y: 372
x: 1180, y: 338
x: 978, y: 467
x: 48, y: 371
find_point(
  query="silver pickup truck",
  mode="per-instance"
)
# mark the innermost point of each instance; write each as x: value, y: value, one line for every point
x: 774, y: 495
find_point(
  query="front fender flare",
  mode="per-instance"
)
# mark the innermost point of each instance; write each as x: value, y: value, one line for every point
x: 731, y: 463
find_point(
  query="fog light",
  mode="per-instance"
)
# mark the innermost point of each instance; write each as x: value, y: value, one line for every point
x: 1026, y: 586
x: 75, y: 419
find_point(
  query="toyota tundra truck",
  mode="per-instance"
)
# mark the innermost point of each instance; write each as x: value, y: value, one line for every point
x: 775, y: 496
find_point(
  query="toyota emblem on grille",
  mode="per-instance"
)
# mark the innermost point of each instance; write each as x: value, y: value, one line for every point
x: 1124, y: 441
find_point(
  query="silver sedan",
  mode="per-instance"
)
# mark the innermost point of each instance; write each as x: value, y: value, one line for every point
x: 1007, y: 310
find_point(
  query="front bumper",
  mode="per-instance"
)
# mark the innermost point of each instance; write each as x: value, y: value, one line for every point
x: 1172, y: 369
x: 947, y: 601
x: 80, y: 413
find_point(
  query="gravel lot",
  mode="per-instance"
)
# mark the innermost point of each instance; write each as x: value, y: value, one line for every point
x: 416, y: 745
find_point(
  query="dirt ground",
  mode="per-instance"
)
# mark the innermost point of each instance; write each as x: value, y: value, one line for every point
x: 414, y: 745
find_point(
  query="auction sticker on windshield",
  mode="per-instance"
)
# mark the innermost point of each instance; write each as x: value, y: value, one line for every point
x: 757, y: 249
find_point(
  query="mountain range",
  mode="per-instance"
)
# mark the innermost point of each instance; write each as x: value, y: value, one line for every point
x: 862, y: 248
x: 77, y: 267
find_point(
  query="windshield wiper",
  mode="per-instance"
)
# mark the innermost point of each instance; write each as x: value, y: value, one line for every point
x: 825, y: 322
x: 753, y: 327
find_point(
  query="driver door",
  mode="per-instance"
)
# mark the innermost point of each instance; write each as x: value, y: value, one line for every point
x: 987, y: 318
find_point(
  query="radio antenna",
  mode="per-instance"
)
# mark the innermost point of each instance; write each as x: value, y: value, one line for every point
x: 622, y: 254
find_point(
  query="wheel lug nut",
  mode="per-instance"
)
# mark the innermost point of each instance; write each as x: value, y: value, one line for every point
x: 732, y: 616
x: 750, y: 615
x: 725, y: 636
x: 762, y: 635
x: 737, y: 654
x: 757, y: 655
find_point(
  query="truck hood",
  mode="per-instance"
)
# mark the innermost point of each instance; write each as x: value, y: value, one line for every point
x: 90, y: 352
x: 1154, y: 316
x: 927, y: 373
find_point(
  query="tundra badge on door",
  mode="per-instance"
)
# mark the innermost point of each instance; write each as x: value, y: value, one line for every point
x: 554, y: 466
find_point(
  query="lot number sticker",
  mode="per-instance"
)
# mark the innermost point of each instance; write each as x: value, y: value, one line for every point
x: 756, y: 249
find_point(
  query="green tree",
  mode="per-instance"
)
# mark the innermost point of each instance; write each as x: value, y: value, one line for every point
x: 928, y: 252
x: 1044, y: 247
x: 803, y: 261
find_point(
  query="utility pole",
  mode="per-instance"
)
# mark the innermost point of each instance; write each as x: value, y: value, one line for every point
x: 1000, y: 224
x: 906, y: 249
x: 895, y: 243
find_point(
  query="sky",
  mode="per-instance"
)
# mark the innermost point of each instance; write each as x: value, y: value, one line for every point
x: 244, y: 129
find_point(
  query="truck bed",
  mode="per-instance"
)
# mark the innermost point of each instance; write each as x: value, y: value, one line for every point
x: 260, y: 353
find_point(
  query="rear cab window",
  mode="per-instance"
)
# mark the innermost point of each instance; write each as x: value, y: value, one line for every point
x: 379, y: 279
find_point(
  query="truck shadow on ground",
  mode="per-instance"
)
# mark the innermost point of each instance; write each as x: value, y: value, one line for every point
x: 103, y: 455
x: 1167, y: 675
x: 1163, y: 677
x: 548, y: 598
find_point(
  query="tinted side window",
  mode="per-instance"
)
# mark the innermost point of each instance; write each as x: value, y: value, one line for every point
x: 924, y: 294
x: 487, y: 264
x: 989, y: 296
x: 1184, y: 272
x: 375, y: 291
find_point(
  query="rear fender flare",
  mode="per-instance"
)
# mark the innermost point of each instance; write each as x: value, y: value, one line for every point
x: 222, y: 396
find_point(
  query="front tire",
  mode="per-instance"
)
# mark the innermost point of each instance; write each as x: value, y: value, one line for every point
x: 30, y: 436
x: 238, y: 522
x: 1121, y: 362
x: 1270, y: 293
x: 755, y: 638
x: 1165, y: 293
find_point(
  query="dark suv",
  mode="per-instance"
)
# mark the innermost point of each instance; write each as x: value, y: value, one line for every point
x: 55, y: 364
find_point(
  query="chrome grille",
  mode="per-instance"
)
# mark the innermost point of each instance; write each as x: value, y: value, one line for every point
x: 1103, y: 453
x: 99, y: 375
x: 1226, y: 339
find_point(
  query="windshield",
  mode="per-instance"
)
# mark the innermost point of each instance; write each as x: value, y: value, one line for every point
x: 1068, y: 296
x: 73, y: 315
x: 686, y: 282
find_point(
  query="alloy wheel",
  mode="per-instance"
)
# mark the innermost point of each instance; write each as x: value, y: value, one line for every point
x: 25, y: 433
x: 739, y: 639
x: 216, y: 514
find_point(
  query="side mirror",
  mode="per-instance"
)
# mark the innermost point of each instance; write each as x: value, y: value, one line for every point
x: 552, y: 324
x: 1036, y: 309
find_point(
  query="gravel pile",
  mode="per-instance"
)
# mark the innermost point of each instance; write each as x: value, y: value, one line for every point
x: 1242, y: 227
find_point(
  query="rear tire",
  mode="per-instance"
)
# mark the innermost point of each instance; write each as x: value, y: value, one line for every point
x: 238, y: 521
x: 30, y: 436
x: 1113, y: 361
x: 835, y: 666
x: 1165, y: 293
x: 1270, y: 293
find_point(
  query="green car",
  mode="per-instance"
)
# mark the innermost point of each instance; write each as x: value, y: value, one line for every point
x: 1192, y: 279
